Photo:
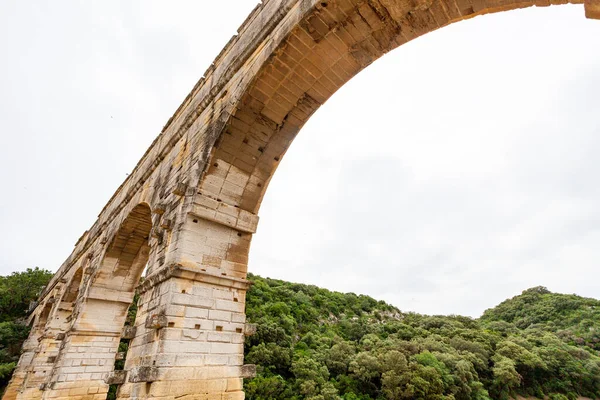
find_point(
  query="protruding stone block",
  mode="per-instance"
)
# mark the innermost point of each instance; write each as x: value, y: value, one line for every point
x: 166, y: 223
x: 250, y: 329
x: 159, y: 208
x: 128, y: 332
x: 116, y: 378
x: 143, y: 374
x: 179, y: 189
x: 248, y: 371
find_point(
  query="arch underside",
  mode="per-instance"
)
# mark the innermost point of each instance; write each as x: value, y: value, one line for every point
x: 127, y: 254
x: 333, y: 42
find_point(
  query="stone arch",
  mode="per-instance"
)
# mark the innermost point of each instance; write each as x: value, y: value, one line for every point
x: 113, y: 285
x: 332, y: 42
x: 48, y: 331
x: 44, y: 315
x: 63, y: 310
x: 72, y: 290
x: 51, y: 346
x: 33, y: 362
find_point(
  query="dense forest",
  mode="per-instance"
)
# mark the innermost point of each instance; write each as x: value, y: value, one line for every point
x: 315, y: 344
x: 17, y: 291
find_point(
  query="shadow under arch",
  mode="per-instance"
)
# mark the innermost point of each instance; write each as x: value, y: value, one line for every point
x: 63, y: 312
x: 44, y: 316
x: 113, y: 285
x: 72, y: 290
x: 127, y: 254
x: 59, y: 325
x: 33, y: 374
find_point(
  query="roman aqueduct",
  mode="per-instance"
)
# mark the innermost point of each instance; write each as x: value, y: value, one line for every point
x: 189, y: 209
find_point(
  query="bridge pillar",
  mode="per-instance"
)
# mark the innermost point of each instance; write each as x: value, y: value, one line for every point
x: 39, y: 352
x: 190, y: 324
x: 86, y: 360
x: 19, y: 378
x: 87, y: 352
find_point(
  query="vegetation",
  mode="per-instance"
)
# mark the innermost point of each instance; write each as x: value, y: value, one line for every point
x: 320, y: 345
x: 315, y: 344
x: 17, y: 291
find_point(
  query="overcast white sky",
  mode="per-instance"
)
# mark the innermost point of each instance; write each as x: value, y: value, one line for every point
x: 456, y: 171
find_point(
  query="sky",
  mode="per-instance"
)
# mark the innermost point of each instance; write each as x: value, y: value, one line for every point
x: 456, y: 171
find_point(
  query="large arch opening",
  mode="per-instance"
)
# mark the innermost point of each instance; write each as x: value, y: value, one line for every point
x: 452, y: 196
x: 323, y: 53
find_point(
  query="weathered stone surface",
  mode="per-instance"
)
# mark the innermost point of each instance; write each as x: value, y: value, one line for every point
x: 250, y: 329
x: 128, y: 332
x: 156, y: 321
x: 248, y: 371
x: 189, y: 209
x: 143, y: 374
x: 116, y: 377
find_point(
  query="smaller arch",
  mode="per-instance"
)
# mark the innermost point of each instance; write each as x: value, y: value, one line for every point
x: 64, y: 308
x: 72, y: 290
x: 127, y: 253
x: 60, y: 324
x: 34, y: 363
x: 44, y: 314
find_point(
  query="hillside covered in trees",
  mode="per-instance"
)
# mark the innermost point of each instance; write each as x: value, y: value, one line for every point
x: 17, y: 290
x: 315, y: 344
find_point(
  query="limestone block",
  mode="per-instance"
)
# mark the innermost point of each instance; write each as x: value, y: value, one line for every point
x: 143, y: 374
x: 155, y: 321
x: 116, y: 377
x: 180, y: 189
x: 250, y: 329
x: 128, y: 332
x: 248, y: 371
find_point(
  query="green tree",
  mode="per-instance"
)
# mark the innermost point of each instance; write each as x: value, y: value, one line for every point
x: 19, y: 289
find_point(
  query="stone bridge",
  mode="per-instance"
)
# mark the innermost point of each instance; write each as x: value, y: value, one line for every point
x: 187, y: 212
